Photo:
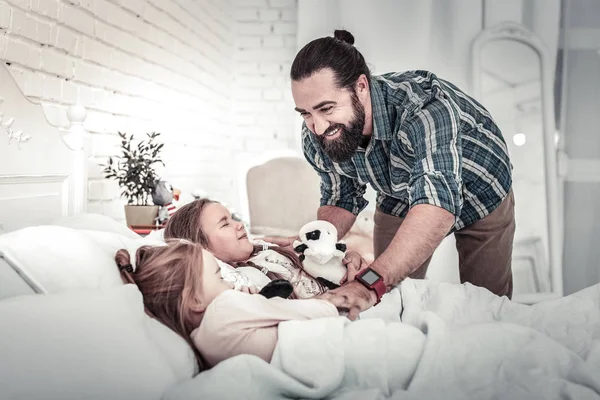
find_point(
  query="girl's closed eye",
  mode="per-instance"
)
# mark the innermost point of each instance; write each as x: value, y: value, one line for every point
x: 223, y: 222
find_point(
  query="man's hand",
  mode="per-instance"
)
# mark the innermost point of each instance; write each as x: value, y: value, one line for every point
x: 354, y: 263
x: 281, y: 241
x: 352, y: 297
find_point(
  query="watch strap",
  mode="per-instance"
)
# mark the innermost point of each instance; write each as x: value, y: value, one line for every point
x: 378, y: 286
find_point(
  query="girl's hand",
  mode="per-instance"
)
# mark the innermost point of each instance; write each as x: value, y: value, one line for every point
x: 281, y: 241
x: 354, y: 263
x: 249, y: 289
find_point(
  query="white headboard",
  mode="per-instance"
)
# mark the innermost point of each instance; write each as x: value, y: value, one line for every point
x: 42, y: 168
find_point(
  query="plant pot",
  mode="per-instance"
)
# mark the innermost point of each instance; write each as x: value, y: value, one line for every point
x: 141, y: 215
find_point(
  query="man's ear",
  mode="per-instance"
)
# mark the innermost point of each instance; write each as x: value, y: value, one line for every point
x: 361, y: 87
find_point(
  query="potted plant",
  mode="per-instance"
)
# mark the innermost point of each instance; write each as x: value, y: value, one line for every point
x: 134, y: 170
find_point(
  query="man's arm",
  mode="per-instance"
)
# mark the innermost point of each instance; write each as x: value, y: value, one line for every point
x: 421, y: 232
x: 341, y: 218
x: 419, y: 235
x: 435, y: 187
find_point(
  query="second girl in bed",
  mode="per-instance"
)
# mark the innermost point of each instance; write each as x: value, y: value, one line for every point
x: 211, y: 225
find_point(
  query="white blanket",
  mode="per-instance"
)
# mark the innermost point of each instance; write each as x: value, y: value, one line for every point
x: 426, y: 340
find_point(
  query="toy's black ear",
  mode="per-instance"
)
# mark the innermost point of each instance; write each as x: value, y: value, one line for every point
x: 277, y: 288
x: 328, y: 284
x: 300, y: 248
x: 314, y: 235
x: 341, y: 246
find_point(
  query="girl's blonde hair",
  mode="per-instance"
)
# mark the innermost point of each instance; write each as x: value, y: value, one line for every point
x: 169, y: 278
x: 185, y: 224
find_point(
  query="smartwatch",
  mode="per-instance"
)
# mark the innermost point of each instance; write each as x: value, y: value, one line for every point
x: 372, y: 281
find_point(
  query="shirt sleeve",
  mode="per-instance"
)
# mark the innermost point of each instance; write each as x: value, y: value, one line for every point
x: 241, y: 323
x: 432, y: 131
x: 253, y: 311
x: 336, y: 189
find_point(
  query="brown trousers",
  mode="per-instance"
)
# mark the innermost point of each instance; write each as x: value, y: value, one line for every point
x: 484, y: 247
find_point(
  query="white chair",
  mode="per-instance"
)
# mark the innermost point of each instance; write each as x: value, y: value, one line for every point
x: 279, y: 193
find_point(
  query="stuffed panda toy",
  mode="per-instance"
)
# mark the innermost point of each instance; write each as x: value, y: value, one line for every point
x: 322, y: 254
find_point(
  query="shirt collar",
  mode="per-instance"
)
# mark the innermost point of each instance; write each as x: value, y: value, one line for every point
x: 381, y: 122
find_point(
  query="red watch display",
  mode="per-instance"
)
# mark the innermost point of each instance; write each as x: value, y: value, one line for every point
x: 372, y: 281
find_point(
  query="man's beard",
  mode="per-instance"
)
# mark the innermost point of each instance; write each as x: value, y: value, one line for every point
x: 343, y: 148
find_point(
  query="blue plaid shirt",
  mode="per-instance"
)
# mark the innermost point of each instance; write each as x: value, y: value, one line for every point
x: 431, y: 144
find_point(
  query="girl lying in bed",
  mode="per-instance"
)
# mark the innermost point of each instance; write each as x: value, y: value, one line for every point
x: 182, y: 287
x: 210, y: 224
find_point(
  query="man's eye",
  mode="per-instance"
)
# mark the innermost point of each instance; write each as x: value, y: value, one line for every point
x: 326, y: 109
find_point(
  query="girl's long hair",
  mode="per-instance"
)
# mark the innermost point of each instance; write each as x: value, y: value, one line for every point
x: 185, y: 224
x: 169, y: 278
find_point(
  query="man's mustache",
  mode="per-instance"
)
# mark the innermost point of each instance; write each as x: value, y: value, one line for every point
x: 333, y: 128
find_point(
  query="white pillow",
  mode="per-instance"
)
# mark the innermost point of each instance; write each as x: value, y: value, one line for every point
x: 176, y: 351
x: 158, y: 235
x: 55, y: 258
x: 96, y: 222
x: 93, y: 344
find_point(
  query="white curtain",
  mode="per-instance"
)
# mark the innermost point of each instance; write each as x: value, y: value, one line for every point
x: 581, y: 120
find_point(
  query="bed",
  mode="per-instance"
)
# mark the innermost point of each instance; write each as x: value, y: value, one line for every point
x: 71, y: 330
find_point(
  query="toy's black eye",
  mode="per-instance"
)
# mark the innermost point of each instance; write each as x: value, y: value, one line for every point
x: 314, y: 235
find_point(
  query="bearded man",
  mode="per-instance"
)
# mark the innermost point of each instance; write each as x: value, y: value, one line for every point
x: 434, y: 155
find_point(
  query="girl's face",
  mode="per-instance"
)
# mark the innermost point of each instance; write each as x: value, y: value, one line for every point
x: 227, y: 238
x: 212, y: 282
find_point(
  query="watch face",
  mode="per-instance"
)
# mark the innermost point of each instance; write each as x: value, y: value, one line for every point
x: 370, y: 277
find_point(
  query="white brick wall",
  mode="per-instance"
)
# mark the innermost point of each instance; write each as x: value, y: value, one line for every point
x: 265, y: 47
x: 138, y: 66
x: 180, y: 67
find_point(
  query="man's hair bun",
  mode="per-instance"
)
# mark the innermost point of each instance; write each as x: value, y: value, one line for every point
x: 344, y: 36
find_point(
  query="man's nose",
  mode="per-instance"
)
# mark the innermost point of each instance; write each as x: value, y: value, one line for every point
x: 321, y: 126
